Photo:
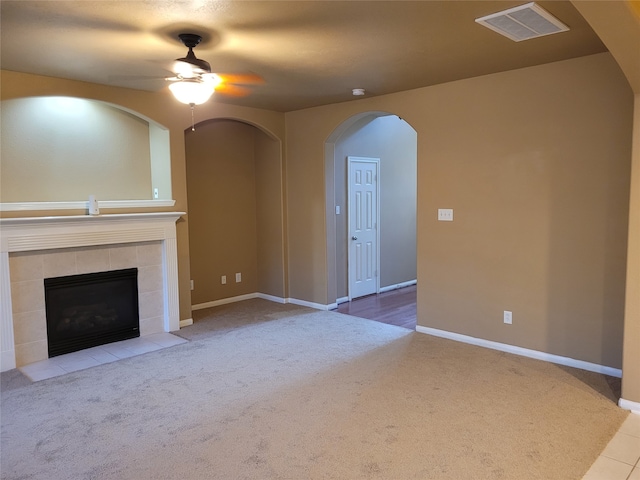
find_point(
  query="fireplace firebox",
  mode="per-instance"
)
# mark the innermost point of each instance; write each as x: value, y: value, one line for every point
x: 88, y: 310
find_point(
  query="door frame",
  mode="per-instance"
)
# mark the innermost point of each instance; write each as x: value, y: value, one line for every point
x: 376, y: 161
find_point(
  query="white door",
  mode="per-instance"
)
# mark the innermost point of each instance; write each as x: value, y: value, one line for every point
x: 363, y: 226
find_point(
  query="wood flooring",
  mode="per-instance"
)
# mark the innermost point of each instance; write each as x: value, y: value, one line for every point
x: 395, y: 307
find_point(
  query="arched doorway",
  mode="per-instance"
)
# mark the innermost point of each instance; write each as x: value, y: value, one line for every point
x: 393, y: 141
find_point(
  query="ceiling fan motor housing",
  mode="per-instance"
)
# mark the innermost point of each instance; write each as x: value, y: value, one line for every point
x: 191, y: 40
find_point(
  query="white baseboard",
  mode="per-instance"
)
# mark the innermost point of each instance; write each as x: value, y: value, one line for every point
x: 342, y: 300
x: 317, y: 306
x: 525, y: 352
x: 388, y: 288
x: 629, y: 405
x: 224, y: 301
x: 264, y: 296
x: 271, y: 298
x: 186, y: 322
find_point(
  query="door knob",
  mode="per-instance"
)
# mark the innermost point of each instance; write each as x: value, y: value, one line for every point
x: 354, y: 238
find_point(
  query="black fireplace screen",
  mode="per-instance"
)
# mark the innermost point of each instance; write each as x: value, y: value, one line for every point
x: 92, y: 309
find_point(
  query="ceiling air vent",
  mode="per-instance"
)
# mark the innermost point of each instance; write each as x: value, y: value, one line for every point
x: 523, y: 22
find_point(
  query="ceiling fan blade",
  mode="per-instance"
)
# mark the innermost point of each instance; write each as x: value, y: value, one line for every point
x: 241, y: 78
x: 117, y: 78
x: 232, y: 90
x: 188, y: 68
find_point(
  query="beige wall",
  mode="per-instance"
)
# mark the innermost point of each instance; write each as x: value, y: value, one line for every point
x: 235, y: 195
x: 631, y: 350
x: 221, y: 189
x: 270, y: 215
x: 618, y: 26
x: 394, y: 142
x: 65, y: 149
x: 160, y: 161
x: 535, y: 163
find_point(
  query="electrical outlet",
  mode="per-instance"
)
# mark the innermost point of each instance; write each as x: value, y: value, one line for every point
x: 223, y: 279
x: 445, y: 214
x: 155, y: 193
x: 238, y: 277
x: 192, y: 285
x: 508, y: 317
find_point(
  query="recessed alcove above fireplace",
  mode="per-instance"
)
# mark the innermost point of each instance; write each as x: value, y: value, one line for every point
x: 33, y: 249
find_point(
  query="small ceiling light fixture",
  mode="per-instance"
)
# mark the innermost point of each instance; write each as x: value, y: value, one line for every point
x: 523, y: 23
x: 358, y: 91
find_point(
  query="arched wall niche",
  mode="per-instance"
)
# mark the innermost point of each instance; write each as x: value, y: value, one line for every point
x: 258, y: 126
x: 236, y: 221
x: 58, y: 150
x: 387, y: 136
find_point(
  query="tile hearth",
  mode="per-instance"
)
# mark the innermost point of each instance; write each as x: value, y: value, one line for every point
x: 92, y: 357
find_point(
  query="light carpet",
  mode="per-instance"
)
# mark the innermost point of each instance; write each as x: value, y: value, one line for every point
x: 269, y: 391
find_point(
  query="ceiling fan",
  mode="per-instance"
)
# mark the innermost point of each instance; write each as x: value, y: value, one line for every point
x: 194, y: 83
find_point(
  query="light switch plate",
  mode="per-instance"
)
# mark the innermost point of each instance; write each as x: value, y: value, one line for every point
x: 445, y: 214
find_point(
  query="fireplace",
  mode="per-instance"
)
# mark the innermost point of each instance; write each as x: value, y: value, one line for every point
x: 35, y: 248
x: 92, y: 309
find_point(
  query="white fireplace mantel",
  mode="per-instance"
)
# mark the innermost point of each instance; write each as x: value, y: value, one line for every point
x: 46, y: 233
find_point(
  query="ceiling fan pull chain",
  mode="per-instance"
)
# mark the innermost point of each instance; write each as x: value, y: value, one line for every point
x: 193, y: 123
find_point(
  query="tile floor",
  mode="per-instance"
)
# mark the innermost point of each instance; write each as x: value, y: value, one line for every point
x: 620, y: 460
x: 91, y: 357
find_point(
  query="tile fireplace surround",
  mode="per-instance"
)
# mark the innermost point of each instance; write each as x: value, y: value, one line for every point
x: 32, y: 249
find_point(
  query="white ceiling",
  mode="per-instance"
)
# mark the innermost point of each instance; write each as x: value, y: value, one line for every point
x: 308, y: 52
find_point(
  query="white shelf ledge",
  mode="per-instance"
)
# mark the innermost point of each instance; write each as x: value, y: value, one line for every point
x: 79, y: 205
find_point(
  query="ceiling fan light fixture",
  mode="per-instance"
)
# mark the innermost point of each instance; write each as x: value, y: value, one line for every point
x: 192, y: 91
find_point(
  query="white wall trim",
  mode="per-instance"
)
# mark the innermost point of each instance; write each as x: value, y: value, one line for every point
x: 525, y: 352
x: 342, y: 300
x: 317, y: 306
x: 224, y: 301
x: 186, y: 322
x: 629, y: 405
x: 388, y: 288
x: 83, y: 205
x: 271, y: 298
x: 264, y: 296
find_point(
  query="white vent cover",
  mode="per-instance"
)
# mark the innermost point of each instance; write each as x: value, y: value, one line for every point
x: 523, y: 22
